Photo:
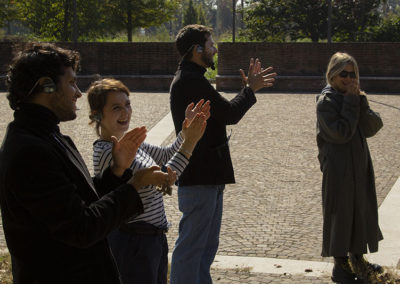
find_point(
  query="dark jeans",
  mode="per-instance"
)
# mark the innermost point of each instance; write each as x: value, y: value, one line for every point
x: 141, y: 258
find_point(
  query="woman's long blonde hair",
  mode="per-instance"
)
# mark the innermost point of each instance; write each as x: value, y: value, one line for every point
x: 337, y: 63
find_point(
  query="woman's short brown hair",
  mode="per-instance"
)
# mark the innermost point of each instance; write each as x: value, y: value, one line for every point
x: 97, y: 98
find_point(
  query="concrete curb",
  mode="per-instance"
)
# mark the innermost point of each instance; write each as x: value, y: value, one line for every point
x: 389, y: 216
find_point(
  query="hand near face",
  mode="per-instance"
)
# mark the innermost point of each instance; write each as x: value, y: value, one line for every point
x: 154, y: 176
x: 124, y: 150
x: 201, y: 106
x: 258, y: 77
x: 353, y: 89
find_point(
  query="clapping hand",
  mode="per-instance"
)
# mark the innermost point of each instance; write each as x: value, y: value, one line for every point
x: 193, y: 130
x: 201, y: 106
x: 258, y: 77
x: 124, y: 150
x: 153, y: 175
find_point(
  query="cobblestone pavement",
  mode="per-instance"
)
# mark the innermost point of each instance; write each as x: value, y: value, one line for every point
x: 274, y: 209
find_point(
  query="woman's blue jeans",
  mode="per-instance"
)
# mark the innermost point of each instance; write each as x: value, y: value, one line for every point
x: 199, y: 228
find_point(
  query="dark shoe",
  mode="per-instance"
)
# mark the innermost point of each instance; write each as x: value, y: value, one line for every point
x: 375, y: 267
x: 342, y: 274
x: 364, y: 269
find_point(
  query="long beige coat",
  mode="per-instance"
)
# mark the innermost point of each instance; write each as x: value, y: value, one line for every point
x: 350, y: 209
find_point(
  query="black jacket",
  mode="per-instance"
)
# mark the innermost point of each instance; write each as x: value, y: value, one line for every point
x: 54, y: 220
x: 211, y: 162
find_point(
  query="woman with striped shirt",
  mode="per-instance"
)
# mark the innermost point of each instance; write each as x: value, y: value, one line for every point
x: 140, y: 245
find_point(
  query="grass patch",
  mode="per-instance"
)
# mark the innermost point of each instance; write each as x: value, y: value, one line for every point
x: 5, y: 269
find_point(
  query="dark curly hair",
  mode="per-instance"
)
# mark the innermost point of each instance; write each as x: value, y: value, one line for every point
x: 35, y: 61
x: 189, y: 36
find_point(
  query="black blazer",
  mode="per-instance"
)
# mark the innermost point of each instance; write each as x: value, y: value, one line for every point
x: 211, y: 162
x: 55, y: 217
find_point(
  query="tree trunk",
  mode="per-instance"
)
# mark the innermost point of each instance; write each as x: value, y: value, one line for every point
x: 75, y: 23
x: 8, y: 28
x: 64, y: 36
x: 314, y: 37
x: 129, y: 23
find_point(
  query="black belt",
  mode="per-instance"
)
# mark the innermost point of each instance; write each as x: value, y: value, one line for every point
x: 142, y: 229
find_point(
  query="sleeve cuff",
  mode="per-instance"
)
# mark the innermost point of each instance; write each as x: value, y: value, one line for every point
x: 250, y: 95
x: 118, y: 180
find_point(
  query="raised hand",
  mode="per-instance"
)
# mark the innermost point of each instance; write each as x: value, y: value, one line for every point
x: 201, y: 106
x: 258, y: 77
x: 194, y: 130
x: 124, y: 150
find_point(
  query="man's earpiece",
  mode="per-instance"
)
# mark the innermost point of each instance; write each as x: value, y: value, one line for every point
x: 48, y: 85
x: 199, y: 49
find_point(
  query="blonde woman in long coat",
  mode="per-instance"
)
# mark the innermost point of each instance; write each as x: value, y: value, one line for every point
x: 350, y: 210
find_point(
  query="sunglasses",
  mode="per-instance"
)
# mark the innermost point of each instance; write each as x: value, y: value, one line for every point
x: 344, y: 74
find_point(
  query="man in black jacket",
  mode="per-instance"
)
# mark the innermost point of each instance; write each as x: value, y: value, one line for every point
x: 201, y: 185
x: 55, y: 216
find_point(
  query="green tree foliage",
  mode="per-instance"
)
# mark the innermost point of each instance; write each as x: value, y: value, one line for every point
x: 8, y: 12
x: 194, y: 14
x: 53, y: 20
x: 275, y: 20
x: 201, y: 15
x: 132, y: 14
x: 353, y: 20
x: 190, y: 15
x: 390, y: 7
x: 388, y: 31
x: 224, y: 16
x: 205, y: 14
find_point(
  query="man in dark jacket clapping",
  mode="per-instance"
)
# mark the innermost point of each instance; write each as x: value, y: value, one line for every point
x: 201, y: 185
x: 55, y: 216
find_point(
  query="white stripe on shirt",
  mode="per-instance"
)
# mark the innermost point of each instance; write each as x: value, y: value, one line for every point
x: 147, y: 155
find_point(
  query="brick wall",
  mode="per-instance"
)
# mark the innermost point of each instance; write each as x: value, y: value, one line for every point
x: 301, y: 66
x: 142, y: 66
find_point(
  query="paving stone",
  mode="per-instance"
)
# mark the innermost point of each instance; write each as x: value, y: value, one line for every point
x: 274, y: 209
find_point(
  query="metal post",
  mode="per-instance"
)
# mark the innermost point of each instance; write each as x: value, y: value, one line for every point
x: 329, y: 21
x: 74, y: 24
x: 233, y: 19
x: 242, y: 14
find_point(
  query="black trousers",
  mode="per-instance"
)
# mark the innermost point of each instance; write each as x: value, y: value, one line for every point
x: 141, y: 255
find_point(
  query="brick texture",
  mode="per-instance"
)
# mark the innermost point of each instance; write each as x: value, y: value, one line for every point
x: 142, y: 66
x: 300, y: 66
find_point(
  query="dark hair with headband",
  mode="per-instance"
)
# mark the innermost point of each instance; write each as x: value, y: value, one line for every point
x: 188, y: 37
x: 35, y: 61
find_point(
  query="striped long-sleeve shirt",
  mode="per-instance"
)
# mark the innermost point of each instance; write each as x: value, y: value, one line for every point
x: 147, y: 155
